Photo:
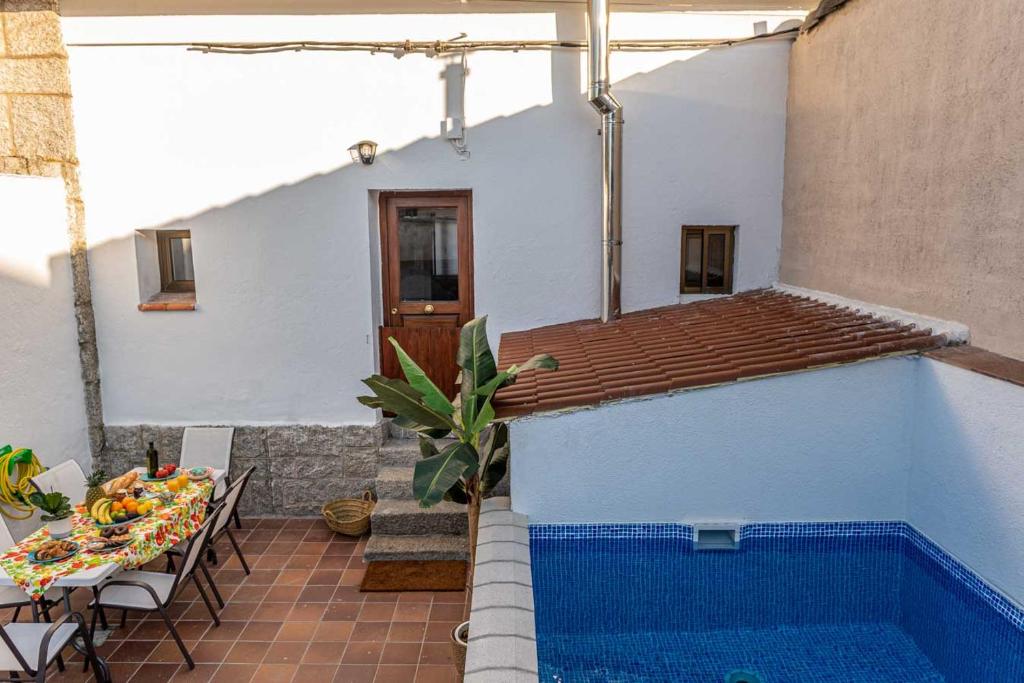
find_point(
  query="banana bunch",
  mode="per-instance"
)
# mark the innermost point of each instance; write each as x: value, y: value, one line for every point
x: 100, y: 511
x: 17, y: 467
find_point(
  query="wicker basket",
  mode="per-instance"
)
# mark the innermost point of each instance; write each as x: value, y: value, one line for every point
x: 349, y: 516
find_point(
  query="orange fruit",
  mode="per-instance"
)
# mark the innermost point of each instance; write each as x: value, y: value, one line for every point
x: 172, y: 485
x: 116, y: 507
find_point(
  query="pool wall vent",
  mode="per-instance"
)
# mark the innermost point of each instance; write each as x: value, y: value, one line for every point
x: 716, y: 536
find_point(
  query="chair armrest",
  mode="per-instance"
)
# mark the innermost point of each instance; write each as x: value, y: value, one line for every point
x: 44, y: 646
x: 136, y: 584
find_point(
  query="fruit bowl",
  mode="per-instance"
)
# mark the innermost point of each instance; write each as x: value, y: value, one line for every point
x: 120, y: 522
x: 200, y: 473
x: 146, y: 477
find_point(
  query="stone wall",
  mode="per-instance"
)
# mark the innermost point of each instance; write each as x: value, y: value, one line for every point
x: 298, y: 467
x: 37, y: 138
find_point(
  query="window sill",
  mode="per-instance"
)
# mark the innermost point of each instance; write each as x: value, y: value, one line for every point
x: 165, y: 301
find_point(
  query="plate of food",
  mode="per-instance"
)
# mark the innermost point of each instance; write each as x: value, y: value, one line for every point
x: 200, y: 473
x: 110, y: 539
x: 163, y: 473
x: 52, y: 551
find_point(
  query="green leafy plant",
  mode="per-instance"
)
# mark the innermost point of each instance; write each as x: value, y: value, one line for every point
x: 55, y: 504
x: 467, y: 468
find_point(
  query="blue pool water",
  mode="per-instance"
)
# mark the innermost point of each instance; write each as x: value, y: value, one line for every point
x: 882, y: 606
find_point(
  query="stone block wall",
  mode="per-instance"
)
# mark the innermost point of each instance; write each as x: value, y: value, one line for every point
x: 298, y: 467
x: 37, y: 137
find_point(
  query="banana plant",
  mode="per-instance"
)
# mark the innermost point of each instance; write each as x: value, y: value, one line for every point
x: 465, y: 469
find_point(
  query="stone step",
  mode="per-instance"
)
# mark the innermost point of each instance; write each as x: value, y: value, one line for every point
x: 384, y: 548
x: 407, y: 518
x: 404, y: 452
x: 395, y: 483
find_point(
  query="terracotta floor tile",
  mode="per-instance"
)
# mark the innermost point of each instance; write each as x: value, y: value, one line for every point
x: 280, y: 548
x: 239, y: 611
x: 401, y: 653
x: 248, y: 593
x: 416, y: 596
x: 349, y: 594
x: 315, y: 673
x: 273, y: 611
x: 235, y: 673
x: 227, y: 577
x: 299, y: 630
x: 285, y: 652
x: 260, y: 630
x: 324, y: 653
x: 395, y: 673
x: 228, y: 630
x: 212, y: 651
x: 310, y: 548
x: 352, y: 577
x: 302, y: 562
x: 247, y: 652
x: 167, y: 652
x: 307, y: 611
x: 322, y: 535
x: 292, y: 577
x: 354, y: 673
x: 339, y: 548
x: 436, y: 674
x: 299, y: 523
x: 191, y: 630
x: 446, y: 612
x: 317, y: 594
x: 381, y: 596
x: 201, y: 674
x: 376, y: 631
x: 332, y: 631
x: 326, y: 577
x: 274, y: 673
x: 378, y: 611
x: 457, y: 597
x: 262, y: 534
x: 270, y: 562
x: 362, y: 653
x: 122, y: 671
x: 283, y: 593
x: 407, y: 632
x: 439, y: 631
x: 335, y: 562
x: 133, y: 651
x: 146, y: 630
x: 262, y: 577
x: 342, y: 611
x: 268, y: 523
x: 436, y: 653
x: 154, y: 673
x: 412, y: 611
x: 194, y: 612
x: 254, y: 547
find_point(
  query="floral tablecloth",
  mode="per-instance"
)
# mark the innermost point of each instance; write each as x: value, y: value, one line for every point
x: 164, y: 528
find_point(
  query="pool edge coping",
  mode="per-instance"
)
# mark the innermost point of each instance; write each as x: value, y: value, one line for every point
x: 503, y: 636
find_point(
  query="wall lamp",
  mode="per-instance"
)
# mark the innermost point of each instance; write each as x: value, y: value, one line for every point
x: 363, y: 151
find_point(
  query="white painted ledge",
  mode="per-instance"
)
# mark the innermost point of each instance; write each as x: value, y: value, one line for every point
x: 502, y: 631
x: 956, y: 333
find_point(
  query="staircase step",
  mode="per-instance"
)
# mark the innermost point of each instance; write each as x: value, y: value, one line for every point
x: 384, y: 548
x: 395, y: 483
x: 404, y: 452
x: 407, y: 518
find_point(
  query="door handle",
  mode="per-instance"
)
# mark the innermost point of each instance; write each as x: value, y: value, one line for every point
x: 428, y: 309
x: 394, y: 311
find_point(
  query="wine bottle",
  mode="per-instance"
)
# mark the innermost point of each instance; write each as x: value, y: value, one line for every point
x: 152, y: 461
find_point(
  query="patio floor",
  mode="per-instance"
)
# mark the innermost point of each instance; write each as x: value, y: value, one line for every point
x: 299, y: 616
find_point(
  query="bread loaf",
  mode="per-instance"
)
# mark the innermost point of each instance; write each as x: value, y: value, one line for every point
x: 125, y: 481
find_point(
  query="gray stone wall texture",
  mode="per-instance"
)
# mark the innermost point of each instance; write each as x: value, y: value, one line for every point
x: 298, y: 467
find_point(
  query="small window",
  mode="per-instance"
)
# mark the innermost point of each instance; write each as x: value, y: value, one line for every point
x: 706, y: 264
x: 175, y: 250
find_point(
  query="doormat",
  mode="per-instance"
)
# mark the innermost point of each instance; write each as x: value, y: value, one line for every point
x: 415, y: 575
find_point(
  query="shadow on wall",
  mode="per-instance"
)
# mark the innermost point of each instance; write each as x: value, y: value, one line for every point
x: 283, y: 278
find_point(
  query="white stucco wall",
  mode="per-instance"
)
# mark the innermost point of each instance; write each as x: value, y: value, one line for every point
x: 813, y: 446
x: 41, y: 401
x: 967, y: 482
x: 249, y: 152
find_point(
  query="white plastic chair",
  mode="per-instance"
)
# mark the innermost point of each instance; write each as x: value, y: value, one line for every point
x: 12, y: 596
x: 66, y: 477
x: 208, y: 447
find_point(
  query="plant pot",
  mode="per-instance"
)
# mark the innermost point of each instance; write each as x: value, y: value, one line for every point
x: 60, y: 528
x: 460, y: 641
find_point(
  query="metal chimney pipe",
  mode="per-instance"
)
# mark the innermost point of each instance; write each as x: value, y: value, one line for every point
x: 608, y: 107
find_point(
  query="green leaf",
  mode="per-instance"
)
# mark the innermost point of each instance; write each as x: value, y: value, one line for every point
x: 427, y: 447
x: 398, y: 397
x: 474, y: 354
x: 419, y: 381
x: 457, y: 493
x: 496, y: 461
x: 541, y: 361
x: 55, y: 503
x: 433, y: 433
x: 484, y: 417
x: 435, y: 475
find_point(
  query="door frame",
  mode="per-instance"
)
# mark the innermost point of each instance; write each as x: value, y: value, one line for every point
x: 388, y: 203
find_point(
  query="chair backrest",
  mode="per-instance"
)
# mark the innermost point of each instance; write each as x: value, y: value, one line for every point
x: 231, y: 499
x: 66, y: 477
x: 196, y: 546
x: 6, y: 538
x: 207, y: 447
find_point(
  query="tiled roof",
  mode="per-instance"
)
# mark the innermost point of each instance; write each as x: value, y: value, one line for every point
x: 761, y: 332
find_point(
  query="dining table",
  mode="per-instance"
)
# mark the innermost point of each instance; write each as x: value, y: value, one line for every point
x: 153, y: 535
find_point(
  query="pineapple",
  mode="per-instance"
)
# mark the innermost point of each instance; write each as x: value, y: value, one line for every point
x: 95, y: 492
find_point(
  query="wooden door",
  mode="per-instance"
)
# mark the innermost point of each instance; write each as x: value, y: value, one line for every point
x: 427, y: 279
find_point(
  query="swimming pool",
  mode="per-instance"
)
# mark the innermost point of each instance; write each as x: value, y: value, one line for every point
x: 845, y: 602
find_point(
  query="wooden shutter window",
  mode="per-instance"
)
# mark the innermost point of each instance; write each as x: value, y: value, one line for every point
x: 706, y: 259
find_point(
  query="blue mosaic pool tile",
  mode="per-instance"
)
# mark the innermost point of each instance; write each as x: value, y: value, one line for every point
x: 822, y: 601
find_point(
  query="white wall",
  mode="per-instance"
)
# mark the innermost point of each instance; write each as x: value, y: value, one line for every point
x: 967, y: 482
x: 811, y: 446
x: 42, y: 405
x: 249, y: 153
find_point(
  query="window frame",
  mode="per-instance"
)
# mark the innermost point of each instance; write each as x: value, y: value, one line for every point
x: 163, y: 244
x: 729, y: 231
